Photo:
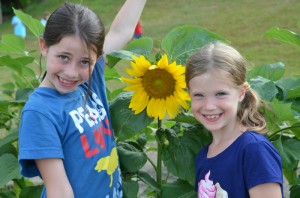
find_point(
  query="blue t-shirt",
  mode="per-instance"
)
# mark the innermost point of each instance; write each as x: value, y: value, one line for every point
x: 19, y: 27
x: 57, y: 125
x: 249, y: 161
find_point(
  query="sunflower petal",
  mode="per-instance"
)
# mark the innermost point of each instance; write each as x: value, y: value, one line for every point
x: 161, y: 107
x: 139, y: 102
x: 163, y: 62
x: 172, y: 106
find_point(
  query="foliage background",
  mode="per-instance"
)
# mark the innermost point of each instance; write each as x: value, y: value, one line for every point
x: 243, y: 22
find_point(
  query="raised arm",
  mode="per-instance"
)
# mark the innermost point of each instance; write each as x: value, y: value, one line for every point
x: 122, y: 28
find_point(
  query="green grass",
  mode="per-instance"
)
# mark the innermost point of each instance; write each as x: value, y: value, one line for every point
x: 243, y: 22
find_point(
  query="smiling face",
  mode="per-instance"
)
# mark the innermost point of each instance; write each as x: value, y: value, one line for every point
x: 67, y: 64
x: 215, y: 101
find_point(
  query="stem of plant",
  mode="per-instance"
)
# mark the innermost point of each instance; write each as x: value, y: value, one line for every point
x: 159, y: 160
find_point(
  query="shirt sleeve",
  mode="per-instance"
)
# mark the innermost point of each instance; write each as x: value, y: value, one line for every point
x: 262, y: 164
x: 38, y: 139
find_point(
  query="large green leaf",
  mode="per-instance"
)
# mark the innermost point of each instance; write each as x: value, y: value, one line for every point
x: 183, y: 41
x: 282, y: 111
x: 179, y: 189
x: 142, y: 46
x: 16, y: 64
x: 293, y: 93
x: 116, y: 56
x: 265, y: 88
x: 289, y: 150
x: 125, y: 123
x: 179, y: 154
x: 9, y: 138
x: 289, y: 87
x: 295, y: 191
x: 131, y: 158
x: 31, y: 191
x: 9, y: 169
x: 12, y: 44
x: 111, y: 74
x: 147, y: 179
x: 130, y: 189
x: 285, y: 36
x: 33, y: 24
x: 269, y: 71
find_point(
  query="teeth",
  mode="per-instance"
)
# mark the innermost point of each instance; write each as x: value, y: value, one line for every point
x: 212, y: 116
x: 65, y: 81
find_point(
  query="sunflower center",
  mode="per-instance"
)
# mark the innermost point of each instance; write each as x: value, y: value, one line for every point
x: 158, y: 83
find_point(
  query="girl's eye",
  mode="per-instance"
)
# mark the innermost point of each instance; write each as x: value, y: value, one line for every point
x: 220, y: 94
x: 85, y: 63
x: 63, y: 58
x: 197, y: 95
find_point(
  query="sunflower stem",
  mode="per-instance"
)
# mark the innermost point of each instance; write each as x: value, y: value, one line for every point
x: 159, y: 160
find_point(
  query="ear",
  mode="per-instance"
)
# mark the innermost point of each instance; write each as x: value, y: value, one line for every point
x: 242, y: 93
x: 43, y: 46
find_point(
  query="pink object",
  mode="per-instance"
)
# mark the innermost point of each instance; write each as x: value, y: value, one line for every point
x: 206, y: 188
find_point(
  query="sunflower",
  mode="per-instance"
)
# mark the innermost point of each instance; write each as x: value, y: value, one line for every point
x: 159, y: 88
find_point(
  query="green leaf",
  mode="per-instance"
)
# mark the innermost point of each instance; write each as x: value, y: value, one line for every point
x: 16, y: 64
x: 293, y: 93
x: 125, y: 123
x: 130, y: 188
x: 28, y: 72
x: 31, y: 191
x: 116, y: 56
x: 269, y: 71
x: 265, y: 88
x: 11, y: 137
x: 23, y: 94
x: 34, y: 25
x: 285, y: 36
x: 185, y: 118
x: 131, y: 159
x: 142, y: 46
x: 183, y: 147
x: 136, y: 47
x: 111, y: 74
x: 147, y: 179
x: 179, y: 189
x: 296, y: 129
x: 287, y: 84
x: 12, y: 44
x: 183, y: 41
x: 9, y: 169
x: 282, y: 111
x: 295, y: 191
x: 289, y: 150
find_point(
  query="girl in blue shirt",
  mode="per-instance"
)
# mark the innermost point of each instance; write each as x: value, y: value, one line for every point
x: 65, y: 131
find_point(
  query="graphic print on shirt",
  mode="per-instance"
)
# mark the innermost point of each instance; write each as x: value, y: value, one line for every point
x: 96, y: 117
x: 108, y: 164
x: 207, y: 189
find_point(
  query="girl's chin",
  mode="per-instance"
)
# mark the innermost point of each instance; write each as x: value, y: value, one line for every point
x: 65, y: 90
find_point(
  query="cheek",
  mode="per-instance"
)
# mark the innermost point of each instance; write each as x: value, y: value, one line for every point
x: 195, y: 105
x: 85, y: 75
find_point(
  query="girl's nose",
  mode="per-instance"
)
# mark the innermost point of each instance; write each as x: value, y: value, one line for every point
x: 209, y: 104
x: 71, y: 70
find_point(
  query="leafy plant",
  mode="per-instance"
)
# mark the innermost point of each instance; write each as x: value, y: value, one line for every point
x: 174, y: 141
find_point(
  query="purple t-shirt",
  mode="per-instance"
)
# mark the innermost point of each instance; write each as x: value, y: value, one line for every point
x: 249, y: 161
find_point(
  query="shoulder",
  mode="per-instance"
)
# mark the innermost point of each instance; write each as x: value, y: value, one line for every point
x: 253, y: 137
x: 44, y: 101
x: 257, y: 144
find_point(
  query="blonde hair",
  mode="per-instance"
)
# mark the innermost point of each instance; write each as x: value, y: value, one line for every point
x: 223, y: 57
